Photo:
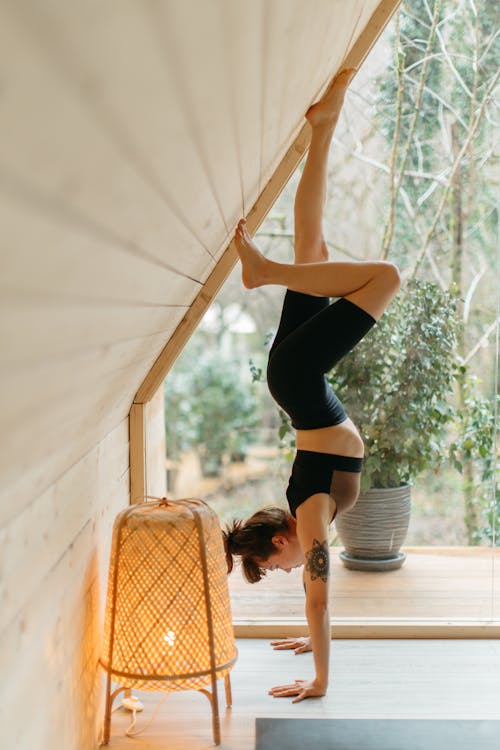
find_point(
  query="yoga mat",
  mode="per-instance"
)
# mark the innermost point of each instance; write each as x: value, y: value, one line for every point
x: 376, y: 734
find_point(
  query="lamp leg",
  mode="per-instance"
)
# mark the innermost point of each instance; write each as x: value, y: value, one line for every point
x: 107, y: 713
x: 215, y: 713
x: 212, y: 697
x: 110, y: 697
x: 229, y: 697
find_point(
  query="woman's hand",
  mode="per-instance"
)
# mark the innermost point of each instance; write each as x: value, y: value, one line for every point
x: 301, y: 688
x: 301, y: 645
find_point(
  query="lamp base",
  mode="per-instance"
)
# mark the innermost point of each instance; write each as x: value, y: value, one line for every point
x: 361, y: 563
x: 132, y: 704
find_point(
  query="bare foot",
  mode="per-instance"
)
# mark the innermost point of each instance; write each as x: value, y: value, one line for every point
x: 327, y: 110
x: 252, y: 261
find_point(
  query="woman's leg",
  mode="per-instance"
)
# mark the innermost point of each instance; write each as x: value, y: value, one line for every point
x: 369, y: 284
x: 310, y: 245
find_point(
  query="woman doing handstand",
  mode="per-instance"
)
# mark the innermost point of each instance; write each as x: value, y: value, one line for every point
x: 313, y: 335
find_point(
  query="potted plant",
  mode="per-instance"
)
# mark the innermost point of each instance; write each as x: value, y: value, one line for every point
x: 395, y: 386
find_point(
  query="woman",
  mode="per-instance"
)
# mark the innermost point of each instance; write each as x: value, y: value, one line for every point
x: 312, y: 337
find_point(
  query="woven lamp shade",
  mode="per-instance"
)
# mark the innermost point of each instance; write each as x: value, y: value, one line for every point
x: 168, y: 622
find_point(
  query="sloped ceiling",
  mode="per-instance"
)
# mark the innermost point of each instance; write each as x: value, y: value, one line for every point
x: 134, y: 135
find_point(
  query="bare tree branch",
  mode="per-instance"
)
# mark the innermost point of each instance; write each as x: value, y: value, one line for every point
x: 438, y: 178
x: 362, y: 157
x: 389, y: 227
x: 430, y: 190
x: 473, y: 6
x: 470, y: 292
x: 418, y: 20
x: 420, y: 62
x: 448, y: 58
x: 458, y: 159
x: 470, y: 150
x: 389, y: 231
x: 444, y: 130
x: 484, y: 338
x: 488, y: 45
x: 358, y: 154
x: 446, y: 104
x: 479, y: 224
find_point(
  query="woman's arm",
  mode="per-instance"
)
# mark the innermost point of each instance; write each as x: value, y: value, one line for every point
x: 318, y: 619
x: 313, y: 517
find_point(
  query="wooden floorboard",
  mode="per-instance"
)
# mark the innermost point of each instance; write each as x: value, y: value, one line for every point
x: 452, y: 582
x: 391, y: 679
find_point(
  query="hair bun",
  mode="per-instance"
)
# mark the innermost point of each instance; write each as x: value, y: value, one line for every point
x: 229, y: 535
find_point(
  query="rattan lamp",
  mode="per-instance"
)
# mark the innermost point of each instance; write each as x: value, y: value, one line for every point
x: 168, y: 619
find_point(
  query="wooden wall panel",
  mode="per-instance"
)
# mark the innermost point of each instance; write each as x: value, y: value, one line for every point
x: 80, y: 160
x: 52, y: 611
x: 70, y: 428
x: 34, y: 333
x: 55, y: 558
x: 27, y: 480
x: 62, y: 379
x: 137, y: 437
x: 42, y: 530
x: 72, y: 263
x: 156, y: 477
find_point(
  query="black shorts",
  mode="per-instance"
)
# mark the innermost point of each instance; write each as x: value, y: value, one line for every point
x: 313, y: 335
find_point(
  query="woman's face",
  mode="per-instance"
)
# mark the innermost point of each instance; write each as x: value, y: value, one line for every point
x: 288, y: 554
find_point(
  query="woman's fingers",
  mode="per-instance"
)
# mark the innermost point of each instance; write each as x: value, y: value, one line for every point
x: 284, y: 692
x: 286, y: 643
x: 301, y: 645
x: 281, y: 691
x: 301, y: 689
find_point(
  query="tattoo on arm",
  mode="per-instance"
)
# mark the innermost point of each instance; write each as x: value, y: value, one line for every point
x: 318, y: 561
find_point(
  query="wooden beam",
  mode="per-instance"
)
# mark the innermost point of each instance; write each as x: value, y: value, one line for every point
x: 137, y: 437
x: 371, y: 628
x: 373, y: 29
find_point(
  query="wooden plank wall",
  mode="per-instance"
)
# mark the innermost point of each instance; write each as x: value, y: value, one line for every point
x: 133, y: 135
x: 54, y: 565
x: 156, y: 477
x: 55, y: 555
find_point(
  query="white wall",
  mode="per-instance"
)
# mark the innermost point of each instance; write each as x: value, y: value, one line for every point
x: 54, y: 561
x: 54, y: 576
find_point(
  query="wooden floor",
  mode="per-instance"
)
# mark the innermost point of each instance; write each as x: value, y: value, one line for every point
x: 388, y: 679
x: 434, y: 582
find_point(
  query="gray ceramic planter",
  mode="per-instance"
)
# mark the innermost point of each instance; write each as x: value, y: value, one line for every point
x: 374, y: 530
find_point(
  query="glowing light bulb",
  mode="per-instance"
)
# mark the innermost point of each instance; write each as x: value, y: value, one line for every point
x: 169, y: 637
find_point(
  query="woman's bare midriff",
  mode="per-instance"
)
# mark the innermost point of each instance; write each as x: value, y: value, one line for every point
x: 342, y: 439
